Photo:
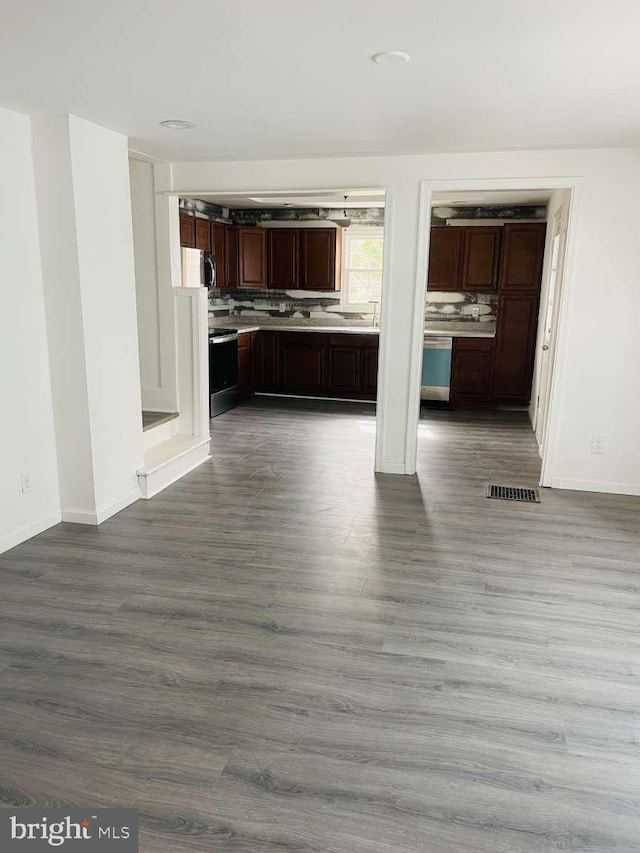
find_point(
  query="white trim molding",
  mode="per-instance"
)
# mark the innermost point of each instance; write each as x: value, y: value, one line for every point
x: 96, y: 517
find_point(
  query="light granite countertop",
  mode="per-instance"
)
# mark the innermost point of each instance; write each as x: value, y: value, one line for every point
x: 293, y: 324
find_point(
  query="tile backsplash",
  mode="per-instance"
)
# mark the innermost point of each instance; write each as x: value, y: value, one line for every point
x: 447, y: 307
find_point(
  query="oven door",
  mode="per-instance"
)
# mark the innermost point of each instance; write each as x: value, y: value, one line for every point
x: 223, y: 373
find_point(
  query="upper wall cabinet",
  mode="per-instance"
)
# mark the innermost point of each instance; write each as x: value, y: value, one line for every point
x: 318, y: 248
x: 480, y: 256
x: 522, y: 256
x: 187, y: 231
x: 444, y: 258
x: 304, y: 258
x: 284, y: 257
x: 203, y: 234
x: 253, y: 257
x: 219, y: 252
x: 232, y: 253
x: 464, y: 259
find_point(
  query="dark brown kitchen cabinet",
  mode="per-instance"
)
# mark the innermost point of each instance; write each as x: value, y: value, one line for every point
x: 480, y: 255
x: 471, y: 370
x: 318, y: 248
x: 203, y: 234
x: 284, y: 258
x: 370, y: 373
x: 303, y: 362
x: 219, y: 252
x: 352, y: 366
x: 245, y: 365
x: 515, y: 347
x: 522, y: 256
x: 315, y: 364
x: 232, y: 256
x: 187, y: 231
x: 266, y: 361
x: 444, y: 258
x: 345, y: 369
x: 253, y: 257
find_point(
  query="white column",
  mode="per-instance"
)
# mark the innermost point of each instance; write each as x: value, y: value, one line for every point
x: 84, y: 219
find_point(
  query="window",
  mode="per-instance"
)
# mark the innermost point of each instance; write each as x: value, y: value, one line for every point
x: 362, y: 266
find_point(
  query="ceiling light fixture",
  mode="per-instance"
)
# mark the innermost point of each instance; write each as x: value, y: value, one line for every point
x: 177, y: 124
x: 391, y: 57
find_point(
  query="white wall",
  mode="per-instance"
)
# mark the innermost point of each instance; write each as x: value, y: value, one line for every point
x: 84, y: 213
x: 105, y: 254
x: 27, y: 442
x: 600, y: 350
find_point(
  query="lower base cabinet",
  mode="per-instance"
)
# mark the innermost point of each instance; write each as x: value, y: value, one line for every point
x: 303, y: 363
x: 471, y: 370
x: 314, y: 364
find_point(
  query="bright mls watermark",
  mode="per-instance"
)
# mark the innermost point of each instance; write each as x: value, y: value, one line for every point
x: 79, y: 830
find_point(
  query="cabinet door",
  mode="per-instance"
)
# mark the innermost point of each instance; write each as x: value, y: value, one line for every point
x: 245, y: 366
x: 303, y: 358
x: 284, y: 261
x: 218, y: 249
x: 480, y: 256
x: 266, y: 361
x: 522, y: 253
x: 515, y: 345
x: 370, y: 372
x: 253, y: 257
x: 203, y: 234
x: 444, y: 258
x: 345, y: 371
x: 318, y: 259
x: 232, y: 256
x: 471, y: 369
x: 187, y: 231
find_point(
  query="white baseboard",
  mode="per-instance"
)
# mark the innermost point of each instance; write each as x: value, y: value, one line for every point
x: 169, y: 462
x: 85, y: 516
x: 595, y: 486
x: 21, y: 534
x: 391, y: 468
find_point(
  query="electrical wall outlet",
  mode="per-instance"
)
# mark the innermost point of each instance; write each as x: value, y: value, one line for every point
x: 598, y: 443
x: 475, y: 311
x: 25, y: 483
x: 283, y: 307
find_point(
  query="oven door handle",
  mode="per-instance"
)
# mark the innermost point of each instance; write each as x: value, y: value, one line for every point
x: 222, y: 340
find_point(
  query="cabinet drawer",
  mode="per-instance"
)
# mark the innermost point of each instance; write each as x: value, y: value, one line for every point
x: 357, y: 340
x: 474, y: 344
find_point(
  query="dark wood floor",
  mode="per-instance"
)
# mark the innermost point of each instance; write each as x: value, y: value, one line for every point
x: 283, y: 652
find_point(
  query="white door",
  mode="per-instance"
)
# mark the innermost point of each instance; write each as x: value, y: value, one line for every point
x: 550, y: 326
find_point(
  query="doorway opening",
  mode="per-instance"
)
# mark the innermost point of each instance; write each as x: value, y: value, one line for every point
x: 297, y: 276
x: 494, y: 268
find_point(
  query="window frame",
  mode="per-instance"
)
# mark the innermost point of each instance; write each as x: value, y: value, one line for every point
x: 355, y: 232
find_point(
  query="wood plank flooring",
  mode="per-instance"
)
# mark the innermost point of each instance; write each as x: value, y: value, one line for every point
x: 284, y: 652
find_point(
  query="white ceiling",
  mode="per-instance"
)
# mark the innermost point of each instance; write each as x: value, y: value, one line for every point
x: 289, y: 78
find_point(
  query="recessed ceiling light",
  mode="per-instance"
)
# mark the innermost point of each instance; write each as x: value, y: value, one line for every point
x: 177, y: 124
x: 391, y: 57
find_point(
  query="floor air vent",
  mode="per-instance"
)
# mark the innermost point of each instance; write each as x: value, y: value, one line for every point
x: 512, y: 493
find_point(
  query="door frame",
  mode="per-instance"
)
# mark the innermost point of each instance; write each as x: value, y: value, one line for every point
x: 558, y: 365
x: 557, y: 229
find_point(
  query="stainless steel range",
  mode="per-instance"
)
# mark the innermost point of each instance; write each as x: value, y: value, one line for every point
x: 223, y: 370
